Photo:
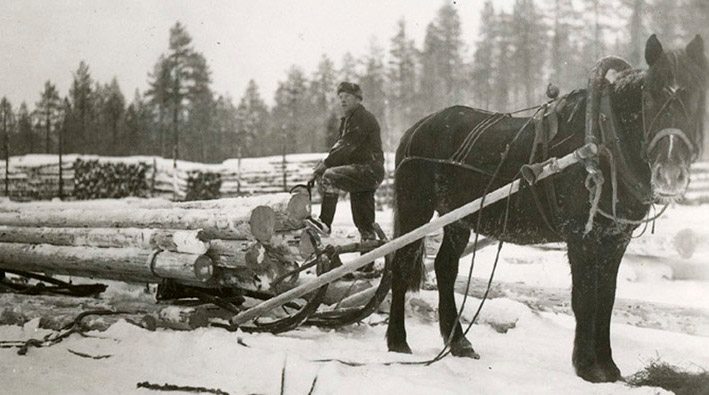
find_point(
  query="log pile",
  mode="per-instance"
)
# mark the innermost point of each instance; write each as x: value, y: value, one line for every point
x: 237, y: 242
x: 97, y: 180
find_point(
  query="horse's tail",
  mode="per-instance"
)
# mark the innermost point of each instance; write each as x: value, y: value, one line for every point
x: 408, y: 265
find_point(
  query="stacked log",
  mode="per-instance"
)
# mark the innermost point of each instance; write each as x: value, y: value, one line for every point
x: 238, y: 242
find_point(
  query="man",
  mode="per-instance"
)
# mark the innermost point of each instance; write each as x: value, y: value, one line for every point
x: 355, y: 164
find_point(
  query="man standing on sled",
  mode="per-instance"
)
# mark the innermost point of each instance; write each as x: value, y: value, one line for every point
x: 355, y: 164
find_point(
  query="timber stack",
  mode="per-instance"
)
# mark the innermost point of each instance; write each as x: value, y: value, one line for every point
x: 235, y: 243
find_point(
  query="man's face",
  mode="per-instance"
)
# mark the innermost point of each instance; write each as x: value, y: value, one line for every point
x: 348, y: 101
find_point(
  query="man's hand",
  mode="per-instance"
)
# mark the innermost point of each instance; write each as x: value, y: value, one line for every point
x: 319, y: 170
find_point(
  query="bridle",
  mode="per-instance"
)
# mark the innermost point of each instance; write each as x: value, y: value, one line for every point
x: 666, y: 132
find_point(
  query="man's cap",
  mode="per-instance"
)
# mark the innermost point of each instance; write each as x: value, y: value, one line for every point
x: 349, y: 87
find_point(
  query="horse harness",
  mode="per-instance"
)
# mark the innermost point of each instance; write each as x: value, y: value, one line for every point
x: 546, y: 126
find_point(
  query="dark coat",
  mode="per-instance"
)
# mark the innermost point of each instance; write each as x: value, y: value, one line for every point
x: 360, y: 141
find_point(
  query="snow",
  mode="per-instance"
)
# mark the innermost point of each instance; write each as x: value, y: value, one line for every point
x: 533, y: 356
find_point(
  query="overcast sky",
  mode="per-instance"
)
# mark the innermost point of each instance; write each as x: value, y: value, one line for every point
x: 242, y: 40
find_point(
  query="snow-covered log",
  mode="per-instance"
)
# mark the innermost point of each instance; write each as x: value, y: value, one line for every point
x: 238, y: 218
x: 185, y: 241
x: 176, y: 317
x: 124, y: 264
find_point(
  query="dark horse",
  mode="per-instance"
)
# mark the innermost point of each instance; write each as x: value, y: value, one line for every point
x: 453, y: 156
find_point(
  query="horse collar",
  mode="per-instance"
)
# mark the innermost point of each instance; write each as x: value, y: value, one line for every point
x: 608, y: 129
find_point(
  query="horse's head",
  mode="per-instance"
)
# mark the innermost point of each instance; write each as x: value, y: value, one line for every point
x: 673, y: 109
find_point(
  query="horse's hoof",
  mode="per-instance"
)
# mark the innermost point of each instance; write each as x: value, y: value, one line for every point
x: 400, y: 348
x: 599, y: 374
x: 611, y: 373
x: 464, y: 351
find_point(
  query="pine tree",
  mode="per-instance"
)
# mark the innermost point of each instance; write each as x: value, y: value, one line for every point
x: 25, y: 133
x: 199, y: 107
x: 179, y: 88
x: 431, y: 93
x: 372, y: 84
x: 529, y: 43
x: 7, y: 123
x: 401, y: 77
x: 81, y: 94
x: 636, y: 30
x: 138, y: 127
x: 564, y: 56
x: 502, y: 64
x: 289, y: 114
x: 482, y: 69
x: 348, y: 71
x: 251, y: 121
x: 442, y: 62
x: 594, y: 47
x: 322, y: 101
x: 47, y: 112
x: 159, y: 99
x: 451, y: 51
x: 114, y: 109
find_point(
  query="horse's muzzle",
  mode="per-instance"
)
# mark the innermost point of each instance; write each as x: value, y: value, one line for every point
x: 669, y: 181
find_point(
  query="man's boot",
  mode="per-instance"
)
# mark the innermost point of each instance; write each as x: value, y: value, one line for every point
x: 323, y: 224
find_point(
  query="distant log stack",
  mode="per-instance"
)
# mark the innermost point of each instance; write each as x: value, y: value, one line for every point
x: 237, y: 242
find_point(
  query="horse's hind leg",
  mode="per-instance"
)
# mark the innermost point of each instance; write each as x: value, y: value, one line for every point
x: 455, y: 239
x: 594, y: 267
x: 414, y: 208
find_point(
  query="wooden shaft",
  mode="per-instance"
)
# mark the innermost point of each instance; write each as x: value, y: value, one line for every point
x: 401, y: 241
x: 360, y: 298
x: 185, y: 241
x: 124, y: 264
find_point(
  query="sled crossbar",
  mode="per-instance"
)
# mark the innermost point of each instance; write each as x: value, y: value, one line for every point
x: 550, y: 168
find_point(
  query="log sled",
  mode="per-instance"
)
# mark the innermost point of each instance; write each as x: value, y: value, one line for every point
x: 218, y: 252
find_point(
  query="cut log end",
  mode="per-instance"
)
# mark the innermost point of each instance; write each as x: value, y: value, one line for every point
x: 299, y: 206
x: 263, y: 223
x: 203, y: 268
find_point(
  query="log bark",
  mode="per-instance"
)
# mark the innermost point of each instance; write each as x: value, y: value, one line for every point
x: 185, y: 241
x: 123, y: 264
x: 176, y: 317
x: 224, y: 220
x: 236, y: 253
x: 214, y: 223
x: 55, y: 312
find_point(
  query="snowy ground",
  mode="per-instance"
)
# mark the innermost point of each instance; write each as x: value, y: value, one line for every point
x: 534, y: 357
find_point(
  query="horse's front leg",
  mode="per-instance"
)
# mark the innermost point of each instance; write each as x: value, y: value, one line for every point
x: 454, y: 242
x: 606, y: 297
x: 594, y: 265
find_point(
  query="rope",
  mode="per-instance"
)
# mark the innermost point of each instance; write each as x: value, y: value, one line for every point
x: 151, y: 261
x: 594, y: 182
x: 625, y: 221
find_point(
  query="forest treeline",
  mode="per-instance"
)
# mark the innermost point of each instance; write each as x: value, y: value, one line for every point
x: 505, y: 67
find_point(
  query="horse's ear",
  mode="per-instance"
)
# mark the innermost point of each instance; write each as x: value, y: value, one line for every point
x: 695, y: 50
x: 653, y: 50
